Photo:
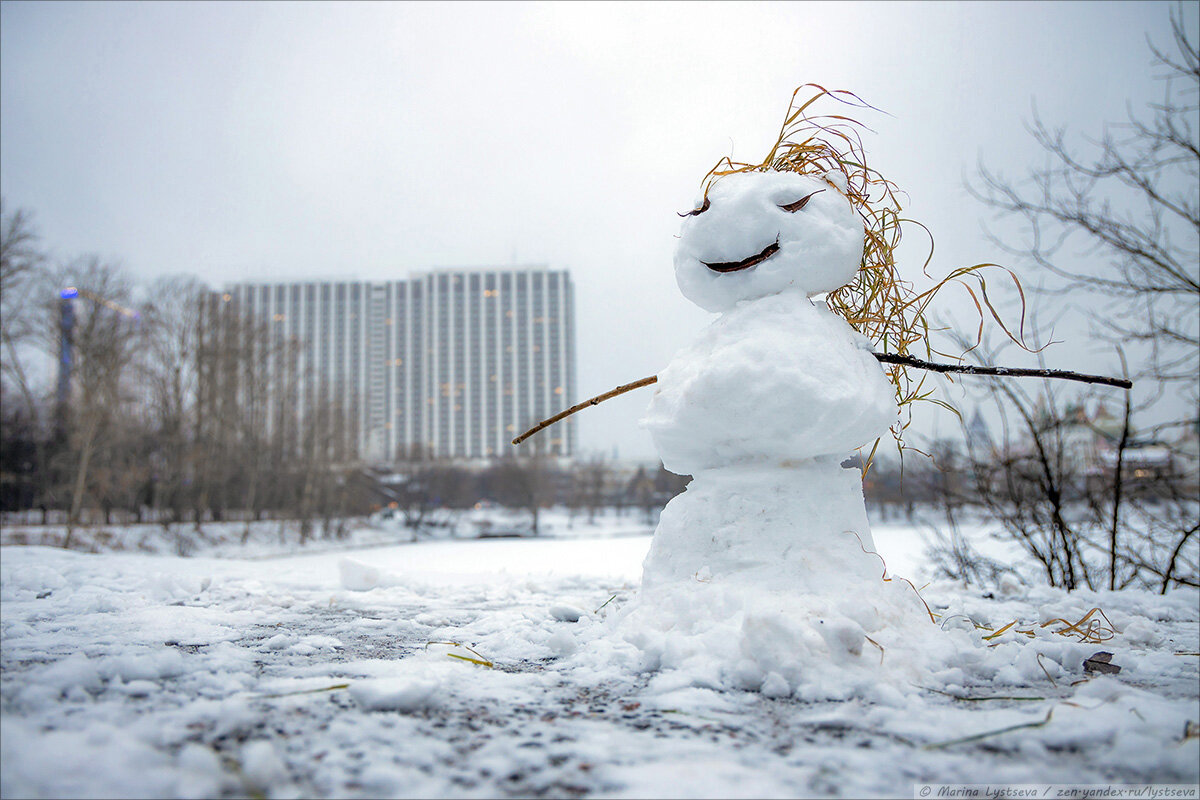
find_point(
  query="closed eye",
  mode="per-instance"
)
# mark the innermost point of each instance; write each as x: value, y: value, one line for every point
x: 700, y: 210
x: 801, y: 203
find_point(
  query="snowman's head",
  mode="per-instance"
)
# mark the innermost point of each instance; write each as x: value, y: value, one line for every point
x: 757, y: 233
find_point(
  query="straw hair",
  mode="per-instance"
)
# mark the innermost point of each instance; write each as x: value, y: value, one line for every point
x: 878, y: 303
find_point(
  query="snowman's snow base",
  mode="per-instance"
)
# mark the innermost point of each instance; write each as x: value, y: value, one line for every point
x: 800, y: 528
x: 759, y: 577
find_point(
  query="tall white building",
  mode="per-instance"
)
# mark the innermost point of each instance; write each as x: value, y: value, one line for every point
x: 451, y: 363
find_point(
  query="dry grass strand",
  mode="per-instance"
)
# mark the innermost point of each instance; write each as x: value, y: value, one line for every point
x: 878, y: 303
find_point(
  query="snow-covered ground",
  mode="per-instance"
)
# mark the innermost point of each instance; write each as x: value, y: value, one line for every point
x: 271, y: 537
x: 328, y: 674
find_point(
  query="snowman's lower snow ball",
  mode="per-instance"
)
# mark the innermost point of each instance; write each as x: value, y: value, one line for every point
x: 762, y: 574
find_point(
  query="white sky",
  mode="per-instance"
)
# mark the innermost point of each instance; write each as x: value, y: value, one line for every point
x: 295, y: 141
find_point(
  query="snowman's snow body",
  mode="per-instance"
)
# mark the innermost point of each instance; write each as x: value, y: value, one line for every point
x: 762, y: 563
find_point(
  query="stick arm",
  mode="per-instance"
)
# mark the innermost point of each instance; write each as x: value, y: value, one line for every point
x: 883, y: 358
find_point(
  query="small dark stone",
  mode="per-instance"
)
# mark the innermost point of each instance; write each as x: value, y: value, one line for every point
x: 1101, y: 663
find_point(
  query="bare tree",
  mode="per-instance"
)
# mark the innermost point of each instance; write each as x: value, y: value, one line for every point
x: 523, y: 482
x: 641, y: 489
x: 411, y: 487
x: 651, y: 492
x: 254, y: 429
x: 22, y: 264
x: 96, y: 336
x: 589, y: 485
x: 315, y: 459
x: 169, y: 372
x: 1073, y: 489
x: 1128, y: 201
x: 165, y: 407
x: 1029, y: 481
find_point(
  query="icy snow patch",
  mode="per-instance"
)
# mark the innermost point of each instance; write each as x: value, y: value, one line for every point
x: 598, y: 722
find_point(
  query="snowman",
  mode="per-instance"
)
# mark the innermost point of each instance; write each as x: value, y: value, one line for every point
x: 762, y: 573
x: 770, y: 400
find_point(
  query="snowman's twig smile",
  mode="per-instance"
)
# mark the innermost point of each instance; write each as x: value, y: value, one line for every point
x: 745, y: 263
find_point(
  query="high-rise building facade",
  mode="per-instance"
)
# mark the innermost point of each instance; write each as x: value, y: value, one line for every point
x: 450, y: 363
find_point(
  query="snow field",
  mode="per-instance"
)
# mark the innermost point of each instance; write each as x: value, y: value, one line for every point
x: 270, y: 538
x: 147, y: 676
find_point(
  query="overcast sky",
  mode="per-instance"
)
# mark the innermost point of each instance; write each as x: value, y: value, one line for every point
x: 296, y: 141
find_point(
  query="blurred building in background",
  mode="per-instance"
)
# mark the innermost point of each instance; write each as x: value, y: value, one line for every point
x: 451, y: 363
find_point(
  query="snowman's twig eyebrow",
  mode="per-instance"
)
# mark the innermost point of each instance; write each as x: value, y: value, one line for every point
x: 695, y: 211
x: 801, y: 203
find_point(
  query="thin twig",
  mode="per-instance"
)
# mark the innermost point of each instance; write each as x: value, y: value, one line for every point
x: 886, y: 358
x: 979, y: 736
x: 546, y: 423
x: 333, y: 688
x: 1004, y: 372
x: 967, y: 698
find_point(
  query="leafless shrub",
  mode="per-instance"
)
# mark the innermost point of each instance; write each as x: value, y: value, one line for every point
x: 1127, y: 200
